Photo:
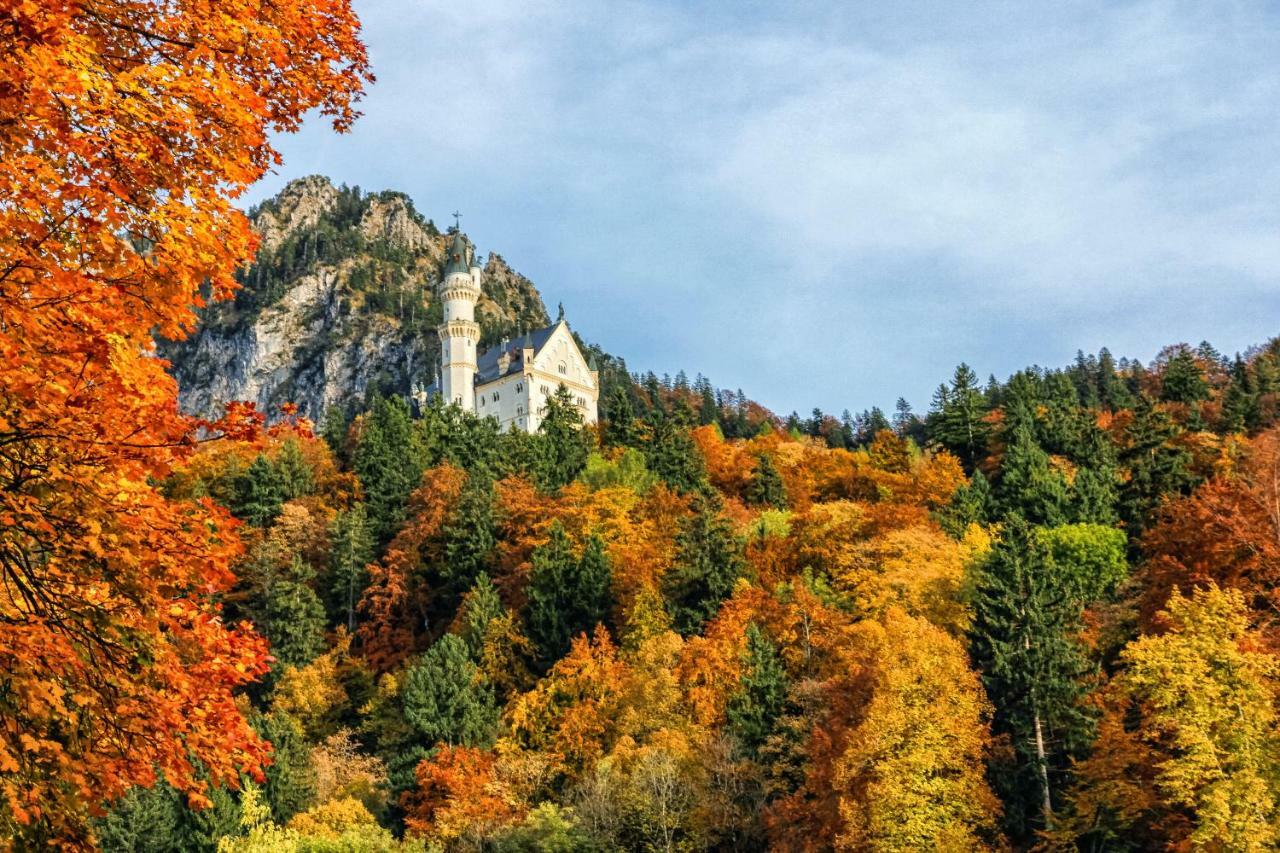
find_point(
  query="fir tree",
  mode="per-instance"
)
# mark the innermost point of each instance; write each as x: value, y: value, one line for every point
x: 1183, y: 380
x: 674, y: 458
x: 389, y: 460
x: 766, y: 487
x: 708, y: 563
x: 957, y: 420
x: 259, y: 494
x: 1156, y: 466
x: 568, y: 595
x: 469, y: 538
x: 753, y: 710
x: 350, y: 552
x: 295, y: 618
x: 480, y: 606
x: 1024, y: 639
x: 444, y: 701
x: 295, y: 474
x: 971, y: 503
x: 564, y: 443
x: 1029, y: 485
x: 620, y: 429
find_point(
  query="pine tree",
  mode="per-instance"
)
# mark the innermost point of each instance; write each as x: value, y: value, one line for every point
x: 620, y: 429
x: 766, y: 487
x: 389, y: 460
x: 1156, y: 466
x: 444, y: 701
x: 972, y: 503
x: 957, y: 420
x: 259, y: 494
x: 350, y: 552
x: 565, y: 444
x: 295, y: 618
x: 295, y: 474
x: 480, y: 606
x: 674, y: 458
x: 291, y: 778
x: 753, y: 710
x: 708, y: 563
x: 469, y: 538
x: 1029, y: 485
x: 568, y: 595
x: 1183, y: 380
x: 1024, y: 639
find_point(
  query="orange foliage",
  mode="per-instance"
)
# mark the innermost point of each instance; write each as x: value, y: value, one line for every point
x: 128, y: 129
x: 395, y: 601
x: 457, y: 794
x: 1226, y: 532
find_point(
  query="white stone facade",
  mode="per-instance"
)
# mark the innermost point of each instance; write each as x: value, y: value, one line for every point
x: 512, y: 381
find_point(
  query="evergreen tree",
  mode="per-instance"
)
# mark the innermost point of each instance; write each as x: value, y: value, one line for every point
x: 1157, y: 467
x: 295, y: 474
x: 388, y: 459
x: 469, y: 538
x: 972, y: 503
x: 753, y: 710
x: 620, y: 428
x: 708, y: 563
x: 674, y: 458
x: 295, y: 618
x: 1183, y: 380
x: 957, y: 419
x: 480, y: 606
x: 1024, y: 639
x: 444, y: 701
x: 1240, y: 401
x: 291, y: 778
x: 1113, y: 393
x: 1029, y: 485
x: 259, y: 493
x: 766, y: 486
x: 568, y: 595
x: 334, y: 428
x: 351, y: 551
x: 708, y: 409
x: 565, y: 443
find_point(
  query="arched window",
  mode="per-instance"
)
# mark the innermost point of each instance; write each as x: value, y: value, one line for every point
x: 563, y: 368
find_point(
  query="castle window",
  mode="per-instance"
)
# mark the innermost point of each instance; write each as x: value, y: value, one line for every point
x: 482, y: 400
x: 519, y: 387
x: 563, y: 368
x: 495, y: 396
x: 520, y: 411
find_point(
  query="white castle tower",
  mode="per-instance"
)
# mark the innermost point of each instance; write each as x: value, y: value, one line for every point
x: 459, y: 333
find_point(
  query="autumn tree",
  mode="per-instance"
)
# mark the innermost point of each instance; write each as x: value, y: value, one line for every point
x: 1188, y: 755
x: 130, y: 131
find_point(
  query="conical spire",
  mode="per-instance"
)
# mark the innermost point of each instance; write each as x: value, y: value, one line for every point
x: 457, y: 260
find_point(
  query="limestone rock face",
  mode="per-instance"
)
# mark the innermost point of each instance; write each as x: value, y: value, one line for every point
x: 340, y: 301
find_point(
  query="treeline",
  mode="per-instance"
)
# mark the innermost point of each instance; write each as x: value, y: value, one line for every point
x: 1039, y: 615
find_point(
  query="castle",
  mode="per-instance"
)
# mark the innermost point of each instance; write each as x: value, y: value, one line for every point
x: 509, y: 382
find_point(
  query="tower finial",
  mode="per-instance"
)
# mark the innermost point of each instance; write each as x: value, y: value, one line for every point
x: 560, y: 318
x: 457, y: 220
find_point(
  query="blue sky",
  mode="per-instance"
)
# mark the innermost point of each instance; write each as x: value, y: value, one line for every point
x: 831, y: 204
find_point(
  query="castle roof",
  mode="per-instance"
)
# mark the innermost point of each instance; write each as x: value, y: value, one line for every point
x: 487, y: 366
x: 457, y: 258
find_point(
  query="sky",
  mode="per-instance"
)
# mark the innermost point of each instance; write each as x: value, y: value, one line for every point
x: 832, y: 204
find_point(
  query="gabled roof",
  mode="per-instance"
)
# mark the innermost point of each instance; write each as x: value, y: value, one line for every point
x: 487, y: 364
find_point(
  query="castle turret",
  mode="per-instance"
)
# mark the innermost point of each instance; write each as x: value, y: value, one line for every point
x: 459, y: 333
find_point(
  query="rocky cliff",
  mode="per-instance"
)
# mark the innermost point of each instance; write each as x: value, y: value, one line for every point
x: 339, y: 301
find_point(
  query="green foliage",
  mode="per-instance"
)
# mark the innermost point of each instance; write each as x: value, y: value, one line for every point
x: 389, y: 459
x: 1087, y: 559
x: 1026, y: 621
x: 294, y: 618
x: 674, y: 458
x: 1029, y: 485
x: 972, y: 503
x: 1157, y: 466
x: 444, y: 699
x: 708, y: 563
x: 752, y: 712
x: 766, y: 487
x: 568, y: 594
x: 480, y: 606
x: 1183, y: 381
x: 259, y: 493
x: 294, y: 473
x: 621, y: 428
x: 469, y: 538
x: 956, y: 421
x: 350, y: 552
x: 628, y: 471
x: 291, y: 779
x: 548, y: 828
x: 563, y: 442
